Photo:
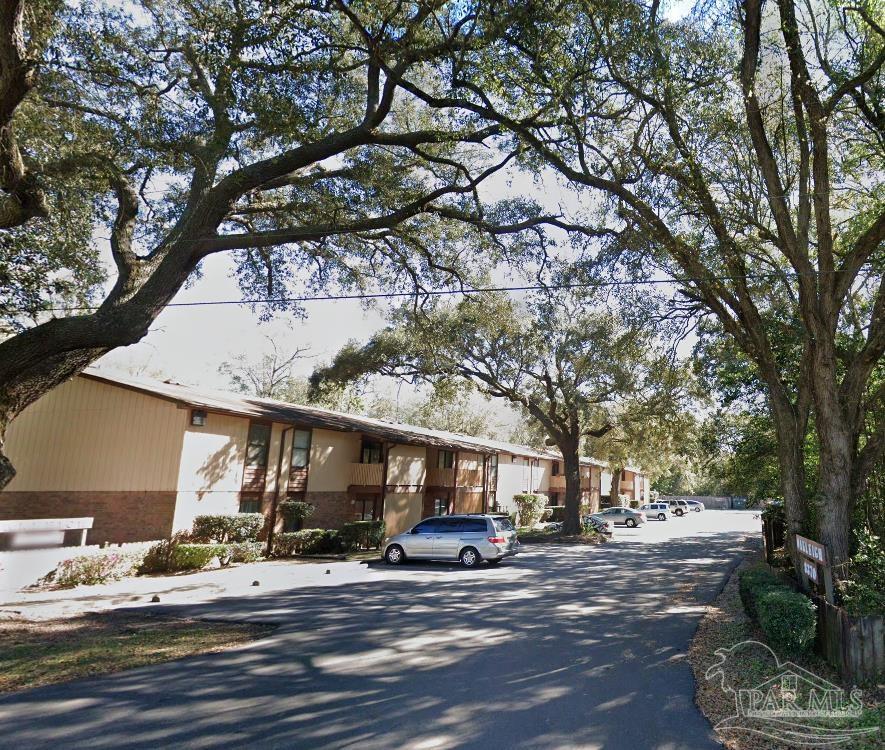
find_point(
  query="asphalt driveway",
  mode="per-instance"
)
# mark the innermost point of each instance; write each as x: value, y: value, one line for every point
x: 564, y: 647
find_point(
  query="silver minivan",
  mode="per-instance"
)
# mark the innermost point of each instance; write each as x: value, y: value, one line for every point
x: 661, y: 511
x: 468, y: 538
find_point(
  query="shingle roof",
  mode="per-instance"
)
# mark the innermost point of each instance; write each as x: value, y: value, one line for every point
x: 312, y: 416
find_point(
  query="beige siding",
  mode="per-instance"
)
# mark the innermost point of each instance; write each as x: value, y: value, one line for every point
x: 85, y: 435
x: 402, y: 510
x: 331, y: 454
x: 510, y: 482
x: 541, y: 475
x: 407, y: 465
x: 211, y: 472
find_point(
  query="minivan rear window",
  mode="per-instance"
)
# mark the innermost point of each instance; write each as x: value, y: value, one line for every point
x: 502, y: 524
x: 474, y: 525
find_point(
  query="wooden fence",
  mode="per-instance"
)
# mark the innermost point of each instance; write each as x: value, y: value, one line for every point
x: 854, y: 645
x: 772, y: 537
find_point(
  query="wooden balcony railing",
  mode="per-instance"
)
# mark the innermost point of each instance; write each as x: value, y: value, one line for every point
x: 437, y: 477
x: 366, y: 475
x: 557, y: 482
x: 469, y: 477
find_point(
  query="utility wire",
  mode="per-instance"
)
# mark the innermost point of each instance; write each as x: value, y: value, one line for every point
x: 446, y: 292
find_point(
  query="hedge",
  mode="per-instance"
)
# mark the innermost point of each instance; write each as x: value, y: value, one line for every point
x: 223, y: 529
x: 246, y: 552
x: 752, y: 583
x: 306, y: 542
x: 786, y: 617
x: 94, y: 568
x: 196, y: 556
x: 361, y: 535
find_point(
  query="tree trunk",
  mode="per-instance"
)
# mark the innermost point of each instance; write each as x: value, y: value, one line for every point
x: 615, y: 491
x: 572, y: 470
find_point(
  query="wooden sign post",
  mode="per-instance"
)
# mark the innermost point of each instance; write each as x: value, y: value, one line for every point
x: 815, y: 566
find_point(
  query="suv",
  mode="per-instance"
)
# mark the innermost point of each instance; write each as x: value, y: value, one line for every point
x: 679, y: 507
x: 661, y: 511
x: 468, y: 538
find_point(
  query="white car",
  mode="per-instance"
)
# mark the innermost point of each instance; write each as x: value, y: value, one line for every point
x: 696, y: 505
x: 679, y: 507
x: 661, y: 511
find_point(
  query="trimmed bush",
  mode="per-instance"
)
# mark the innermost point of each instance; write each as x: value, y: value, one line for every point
x: 95, y: 568
x: 557, y: 513
x: 246, y: 552
x: 361, y: 535
x: 529, y: 508
x: 307, y: 542
x: 634, y: 504
x: 196, y: 556
x: 293, y: 513
x: 787, y: 618
x: 754, y: 582
x: 159, y: 557
x: 224, y: 529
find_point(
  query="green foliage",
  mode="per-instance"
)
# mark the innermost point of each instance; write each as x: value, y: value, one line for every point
x: 862, y: 586
x: 557, y: 513
x: 234, y: 527
x: 752, y: 583
x: 361, y: 535
x: 307, y: 542
x: 294, y: 512
x: 787, y: 618
x: 529, y: 508
x: 95, y: 568
x: 197, y: 556
x: 158, y: 558
x: 246, y: 552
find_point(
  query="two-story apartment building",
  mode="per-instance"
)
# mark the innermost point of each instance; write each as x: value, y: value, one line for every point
x: 144, y: 457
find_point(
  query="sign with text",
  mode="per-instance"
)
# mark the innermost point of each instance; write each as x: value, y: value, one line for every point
x: 811, y: 550
x: 810, y: 569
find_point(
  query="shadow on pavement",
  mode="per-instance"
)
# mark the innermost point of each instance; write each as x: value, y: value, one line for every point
x: 561, y: 647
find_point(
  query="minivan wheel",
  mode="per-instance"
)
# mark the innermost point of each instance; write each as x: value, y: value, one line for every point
x: 469, y: 557
x: 662, y: 517
x: 394, y: 555
x: 631, y: 523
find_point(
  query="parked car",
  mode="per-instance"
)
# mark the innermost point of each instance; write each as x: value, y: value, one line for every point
x: 696, y: 505
x: 468, y: 538
x: 626, y: 516
x: 679, y: 507
x: 661, y: 511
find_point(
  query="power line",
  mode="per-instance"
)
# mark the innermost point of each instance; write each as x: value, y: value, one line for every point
x: 447, y: 292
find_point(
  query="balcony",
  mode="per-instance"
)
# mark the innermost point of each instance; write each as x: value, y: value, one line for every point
x: 469, y: 477
x: 437, y: 477
x: 366, y: 475
x: 557, y: 482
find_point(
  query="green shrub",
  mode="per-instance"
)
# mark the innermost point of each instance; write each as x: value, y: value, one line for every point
x: 246, y: 552
x: 557, y: 513
x: 95, y: 568
x: 752, y: 583
x: 196, y: 556
x: 306, y: 542
x: 158, y: 558
x: 634, y: 503
x: 224, y: 529
x: 293, y: 513
x: 529, y: 508
x: 361, y: 535
x: 863, y: 588
x: 787, y: 618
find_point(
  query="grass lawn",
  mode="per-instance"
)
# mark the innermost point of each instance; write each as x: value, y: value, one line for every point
x: 35, y: 653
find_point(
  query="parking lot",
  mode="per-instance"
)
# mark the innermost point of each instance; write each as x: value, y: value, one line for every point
x: 563, y: 646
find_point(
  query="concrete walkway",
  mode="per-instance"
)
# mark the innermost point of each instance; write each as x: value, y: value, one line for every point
x: 564, y: 647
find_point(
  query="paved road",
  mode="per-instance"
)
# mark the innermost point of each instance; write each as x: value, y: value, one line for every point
x: 574, y: 647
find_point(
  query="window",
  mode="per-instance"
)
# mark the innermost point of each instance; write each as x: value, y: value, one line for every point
x: 430, y: 526
x: 366, y: 508
x: 555, y: 470
x: 553, y: 498
x: 300, y: 449
x: 474, y: 526
x: 503, y: 524
x: 449, y: 525
x: 445, y: 459
x: 250, y: 504
x: 259, y: 442
x: 371, y: 453
x: 440, y: 506
x: 198, y: 417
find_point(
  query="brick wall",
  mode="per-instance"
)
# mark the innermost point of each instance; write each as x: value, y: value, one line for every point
x: 119, y: 516
x: 331, y: 510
